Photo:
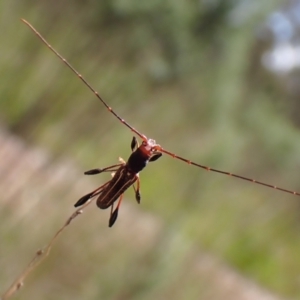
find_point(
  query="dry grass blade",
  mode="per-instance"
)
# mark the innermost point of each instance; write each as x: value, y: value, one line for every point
x: 39, y: 256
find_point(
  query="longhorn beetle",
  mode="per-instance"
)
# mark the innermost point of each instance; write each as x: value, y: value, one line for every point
x: 127, y: 173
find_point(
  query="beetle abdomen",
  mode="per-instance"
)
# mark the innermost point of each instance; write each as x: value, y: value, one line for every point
x: 121, y: 181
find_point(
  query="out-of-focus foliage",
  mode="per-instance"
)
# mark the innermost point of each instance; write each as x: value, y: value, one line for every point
x: 186, y: 73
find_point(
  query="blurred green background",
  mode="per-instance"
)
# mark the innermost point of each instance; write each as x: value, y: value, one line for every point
x: 189, y: 75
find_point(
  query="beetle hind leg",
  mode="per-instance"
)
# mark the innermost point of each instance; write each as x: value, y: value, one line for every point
x: 88, y: 196
x: 114, y: 213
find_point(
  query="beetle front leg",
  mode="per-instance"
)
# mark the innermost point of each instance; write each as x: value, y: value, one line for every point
x: 155, y: 156
x: 134, y: 144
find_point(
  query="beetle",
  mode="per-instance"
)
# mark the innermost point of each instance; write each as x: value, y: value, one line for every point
x: 127, y: 173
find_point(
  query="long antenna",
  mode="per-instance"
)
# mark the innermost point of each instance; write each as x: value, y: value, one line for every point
x: 228, y: 173
x: 84, y: 81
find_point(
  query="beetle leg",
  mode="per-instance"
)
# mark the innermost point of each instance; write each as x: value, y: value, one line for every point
x: 88, y: 196
x: 123, y: 162
x: 134, y: 144
x: 155, y: 156
x: 114, y: 214
x: 111, y: 209
x: 107, y: 169
x: 137, y: 189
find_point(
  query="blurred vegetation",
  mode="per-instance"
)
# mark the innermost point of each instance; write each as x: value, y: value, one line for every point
x: 183, y: 73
